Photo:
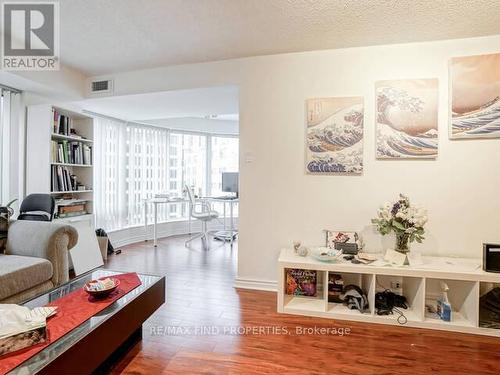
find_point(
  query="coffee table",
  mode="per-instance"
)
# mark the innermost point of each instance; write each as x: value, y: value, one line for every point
x: 95, y: 344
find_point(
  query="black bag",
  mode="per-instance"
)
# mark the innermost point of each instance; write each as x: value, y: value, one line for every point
x: 102, y: 233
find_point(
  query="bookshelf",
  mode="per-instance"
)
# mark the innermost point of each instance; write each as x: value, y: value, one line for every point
x: 59, y: 159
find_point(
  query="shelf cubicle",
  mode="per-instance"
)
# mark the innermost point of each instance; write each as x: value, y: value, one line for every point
x: 421, y: 286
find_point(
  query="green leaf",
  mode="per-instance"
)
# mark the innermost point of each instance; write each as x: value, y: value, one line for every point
x: 398, y: 225
x: 10, y: 203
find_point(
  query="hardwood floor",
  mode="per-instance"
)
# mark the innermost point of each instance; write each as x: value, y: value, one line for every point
x: 200, y: 295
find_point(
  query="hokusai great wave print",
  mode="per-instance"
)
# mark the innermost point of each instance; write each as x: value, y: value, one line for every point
x: 334, y: 143
x: 407, y: 119
x: 475, y: 93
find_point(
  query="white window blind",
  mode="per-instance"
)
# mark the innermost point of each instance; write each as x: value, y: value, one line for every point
x: 9, y: 144
x: 135, y: 162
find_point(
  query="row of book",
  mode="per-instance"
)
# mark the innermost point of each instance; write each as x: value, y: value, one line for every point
x: 70, y: 207
x: 71, y: 152
x: 62, y: 124
x: 63, y: 180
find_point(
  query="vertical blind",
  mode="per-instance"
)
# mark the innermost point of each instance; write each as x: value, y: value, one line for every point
x: 134, y: 162
x: 9, y: 132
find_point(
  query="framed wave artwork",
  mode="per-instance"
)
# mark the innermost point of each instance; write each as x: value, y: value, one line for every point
x: 407, y: 119
x: 334, y: 135
x: 475, y: 97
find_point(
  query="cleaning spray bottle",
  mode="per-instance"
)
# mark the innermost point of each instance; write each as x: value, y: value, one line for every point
x: 443, y: 304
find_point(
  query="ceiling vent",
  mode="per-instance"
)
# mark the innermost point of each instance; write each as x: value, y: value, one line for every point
x: 98, y: 87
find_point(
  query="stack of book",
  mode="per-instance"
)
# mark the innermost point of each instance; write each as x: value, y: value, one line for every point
x: 70, y: 207
x: 62, y: 124
x: 71, y: 152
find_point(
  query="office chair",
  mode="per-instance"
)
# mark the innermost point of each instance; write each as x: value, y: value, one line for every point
x: 206, y: 215
x: 37, y: 207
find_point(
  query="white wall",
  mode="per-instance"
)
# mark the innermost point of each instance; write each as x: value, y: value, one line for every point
x: 280, y: 203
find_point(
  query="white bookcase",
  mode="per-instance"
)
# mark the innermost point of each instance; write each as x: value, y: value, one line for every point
x: 39, y: 161
x: 420, y: 285
x: 39, y: 158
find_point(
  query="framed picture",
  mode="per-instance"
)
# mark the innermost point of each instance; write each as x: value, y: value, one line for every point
x: 475, y: 97
x: 334, y: 135
x: 333, y: 237
x: 407, y: 119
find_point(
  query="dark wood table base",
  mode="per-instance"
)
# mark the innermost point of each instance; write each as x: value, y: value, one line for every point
x: 97, y: 351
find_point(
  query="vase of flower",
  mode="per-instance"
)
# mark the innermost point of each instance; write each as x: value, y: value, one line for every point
x: 402, y: 243
x: 406, y: 221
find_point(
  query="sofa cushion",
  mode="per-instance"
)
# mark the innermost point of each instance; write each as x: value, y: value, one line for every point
x: 19, y: 273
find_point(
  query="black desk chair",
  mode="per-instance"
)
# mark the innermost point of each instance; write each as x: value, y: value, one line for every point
x: 37, y: 207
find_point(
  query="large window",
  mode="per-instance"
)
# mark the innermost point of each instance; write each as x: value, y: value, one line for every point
x: 224, y: 154
x: 135, y: 162
x: 9, y: 132
x: 187, y: 166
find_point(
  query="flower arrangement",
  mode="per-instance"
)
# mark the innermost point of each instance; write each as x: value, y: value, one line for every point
x: 405, y: 220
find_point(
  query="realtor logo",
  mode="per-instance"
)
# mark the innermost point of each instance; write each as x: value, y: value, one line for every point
x: 30, y: 33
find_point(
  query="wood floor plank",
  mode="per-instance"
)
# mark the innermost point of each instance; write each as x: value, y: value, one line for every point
x: 200, y: 295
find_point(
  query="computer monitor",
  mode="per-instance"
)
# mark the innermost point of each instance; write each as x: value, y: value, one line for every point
x: 230, y: 182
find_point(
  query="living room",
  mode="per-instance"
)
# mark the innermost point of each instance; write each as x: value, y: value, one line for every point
x: 269, y: 177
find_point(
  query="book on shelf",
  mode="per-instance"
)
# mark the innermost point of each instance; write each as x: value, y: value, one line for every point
x: 301, y: 282
x: 62, y: 179
x: 71, y: 207
x: 71, y: 214
x: 71, y: 152
x: 62, y: 124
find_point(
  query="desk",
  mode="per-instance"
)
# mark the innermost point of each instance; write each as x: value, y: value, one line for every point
x: 227, y: 235
x: 155, y: 202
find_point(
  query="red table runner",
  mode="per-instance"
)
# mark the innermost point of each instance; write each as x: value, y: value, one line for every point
x: 73, y: 309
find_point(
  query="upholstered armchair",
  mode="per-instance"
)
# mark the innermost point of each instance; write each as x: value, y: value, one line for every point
x: 35, y: 260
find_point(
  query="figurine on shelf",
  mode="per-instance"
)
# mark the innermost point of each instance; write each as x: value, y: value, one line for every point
x: 300, y: 250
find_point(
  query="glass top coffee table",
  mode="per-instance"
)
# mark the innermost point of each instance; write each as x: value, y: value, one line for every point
x: 96, y: 341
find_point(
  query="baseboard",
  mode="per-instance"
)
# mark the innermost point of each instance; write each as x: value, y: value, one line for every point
x: 127, y: 236
x: 270, y: 286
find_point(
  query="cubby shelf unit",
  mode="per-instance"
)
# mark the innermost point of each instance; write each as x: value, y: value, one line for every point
x: 419, y: 285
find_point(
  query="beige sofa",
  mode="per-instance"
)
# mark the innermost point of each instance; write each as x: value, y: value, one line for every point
x: 35, y: 259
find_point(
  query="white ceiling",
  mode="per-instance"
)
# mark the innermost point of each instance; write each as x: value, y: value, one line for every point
x: 99, y: 37
x: 202, y: 102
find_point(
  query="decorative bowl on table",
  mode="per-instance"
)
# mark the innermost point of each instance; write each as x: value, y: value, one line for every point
x: 101, y: 287
x: 325, y: 254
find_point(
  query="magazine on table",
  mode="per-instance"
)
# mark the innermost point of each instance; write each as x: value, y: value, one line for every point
x: 21, y: 327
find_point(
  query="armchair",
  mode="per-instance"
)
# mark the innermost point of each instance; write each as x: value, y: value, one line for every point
x: 35, y: 260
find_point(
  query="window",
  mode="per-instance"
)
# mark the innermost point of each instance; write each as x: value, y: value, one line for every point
x: 9, y: 136
x: 225, y: 151
x: 137, y: 162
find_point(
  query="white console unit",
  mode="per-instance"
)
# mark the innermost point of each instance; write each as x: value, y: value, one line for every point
x: 466, y: 280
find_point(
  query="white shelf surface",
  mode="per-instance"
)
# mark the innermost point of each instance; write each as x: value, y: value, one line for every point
x: 72, y: 165
x: 71, y: 191
x: 56, y: 136
x: 339, y: 308
x: 457, y: 319
x: 410, y: 314
x: 76, y: 217
x: 302, y: 303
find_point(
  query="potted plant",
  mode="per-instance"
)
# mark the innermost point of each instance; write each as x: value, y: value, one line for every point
x: 5, y: 213
x: 406, y: 221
